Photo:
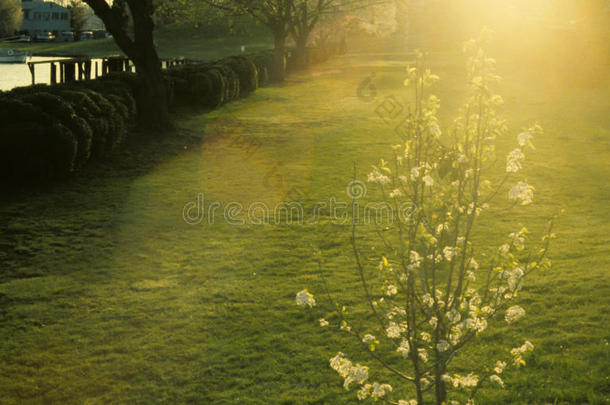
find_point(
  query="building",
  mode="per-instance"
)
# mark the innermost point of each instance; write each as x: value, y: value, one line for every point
x: 44, y: 16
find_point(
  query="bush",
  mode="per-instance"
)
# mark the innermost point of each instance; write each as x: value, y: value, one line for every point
x: 63, y: 112
x: 33, y: 144
x: 89, y: 111
x: 195, y: 84
x: 229, y: 76
x: 263, y: 62
x: 246, y: 72
x: 115, y: 122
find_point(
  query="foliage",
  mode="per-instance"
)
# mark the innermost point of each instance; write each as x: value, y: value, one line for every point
x: 208, y: 21
x: 10, y: 17
x: 61, y: 127
x: 79, y: 14
x: 34, y: 145
x: 428, y: 294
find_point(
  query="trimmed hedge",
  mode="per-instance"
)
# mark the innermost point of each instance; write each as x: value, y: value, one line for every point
x: 34, y: 145
x: 48, y: 132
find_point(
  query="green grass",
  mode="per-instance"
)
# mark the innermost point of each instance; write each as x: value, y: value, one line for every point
x: 108, y: 296
x: 172, y: 41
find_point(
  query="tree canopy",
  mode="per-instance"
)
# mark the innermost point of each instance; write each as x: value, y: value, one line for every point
x: 10, y: 17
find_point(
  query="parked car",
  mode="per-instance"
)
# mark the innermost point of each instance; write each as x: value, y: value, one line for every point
x: 85, y: 36
x: 44, y: 36
x: 65, y: 36
x: 24, y: 38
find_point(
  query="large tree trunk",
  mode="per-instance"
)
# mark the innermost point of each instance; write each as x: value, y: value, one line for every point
x: 278, y: 71
x: 152, y: 100
x: 153, y: 109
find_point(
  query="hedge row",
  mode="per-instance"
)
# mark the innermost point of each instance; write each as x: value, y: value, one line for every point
x: 50, y: 131
x: 211, y: 84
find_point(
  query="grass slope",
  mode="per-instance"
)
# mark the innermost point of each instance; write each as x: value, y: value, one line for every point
x: 108, y: 296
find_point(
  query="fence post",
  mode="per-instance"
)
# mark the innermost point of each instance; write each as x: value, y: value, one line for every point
x: 53, y: 73
x: 32, y: 71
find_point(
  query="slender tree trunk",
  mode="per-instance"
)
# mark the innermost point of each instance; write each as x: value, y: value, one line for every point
x: 278, y: 72
x: 302, y: 53
x: 441, y: 390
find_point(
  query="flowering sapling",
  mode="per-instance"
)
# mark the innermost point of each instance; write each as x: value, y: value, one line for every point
x: 433, y: 291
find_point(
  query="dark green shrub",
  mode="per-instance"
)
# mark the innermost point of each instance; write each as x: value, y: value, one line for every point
x: 116, y: 124
x: 33, y: 144
x: 88, y: 110
x: 216, y: 94
x: 246, y: 72
x: 62, y: 111
x: 199, y: 84
x: 263, y: 62
x: 229, y: 77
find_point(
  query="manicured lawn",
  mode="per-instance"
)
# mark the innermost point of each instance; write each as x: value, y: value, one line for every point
x: 108, y: 296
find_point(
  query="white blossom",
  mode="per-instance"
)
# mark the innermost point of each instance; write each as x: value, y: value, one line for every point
x: 414, y: 259
x: 414, y: 173
x: 394, y: 330
x: 514, y: 313
x: 453, y: 316
x: 404, y: 348
x: 441, y: 227
x: 428, y: 180
x: 470, y: 380
x: 513, y: 160
x: 395, y: 193
x: 518, y: 352
x: 323, y: 322
x: 522, y: 192
x: 515, y: 278
x: 500, y: 365
x: 449, y: 253
x: 427, y: 300
x: 305, y: 298
x: 351, y: 373
x: 525, y: 138
x: 377, y: 177
x: 442, y: 346
x: 364, y: 392
x: 496, y: 379
x: 422, y: 354
x: 368, y: 338
x: 391, y: 290
x: 380, y: 390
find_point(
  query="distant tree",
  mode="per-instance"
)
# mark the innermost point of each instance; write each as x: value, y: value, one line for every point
x: 306, y: 14
x: 131, y: 24
x: 10, y: 17
x: 273, y: 14
x: 79, y: 15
